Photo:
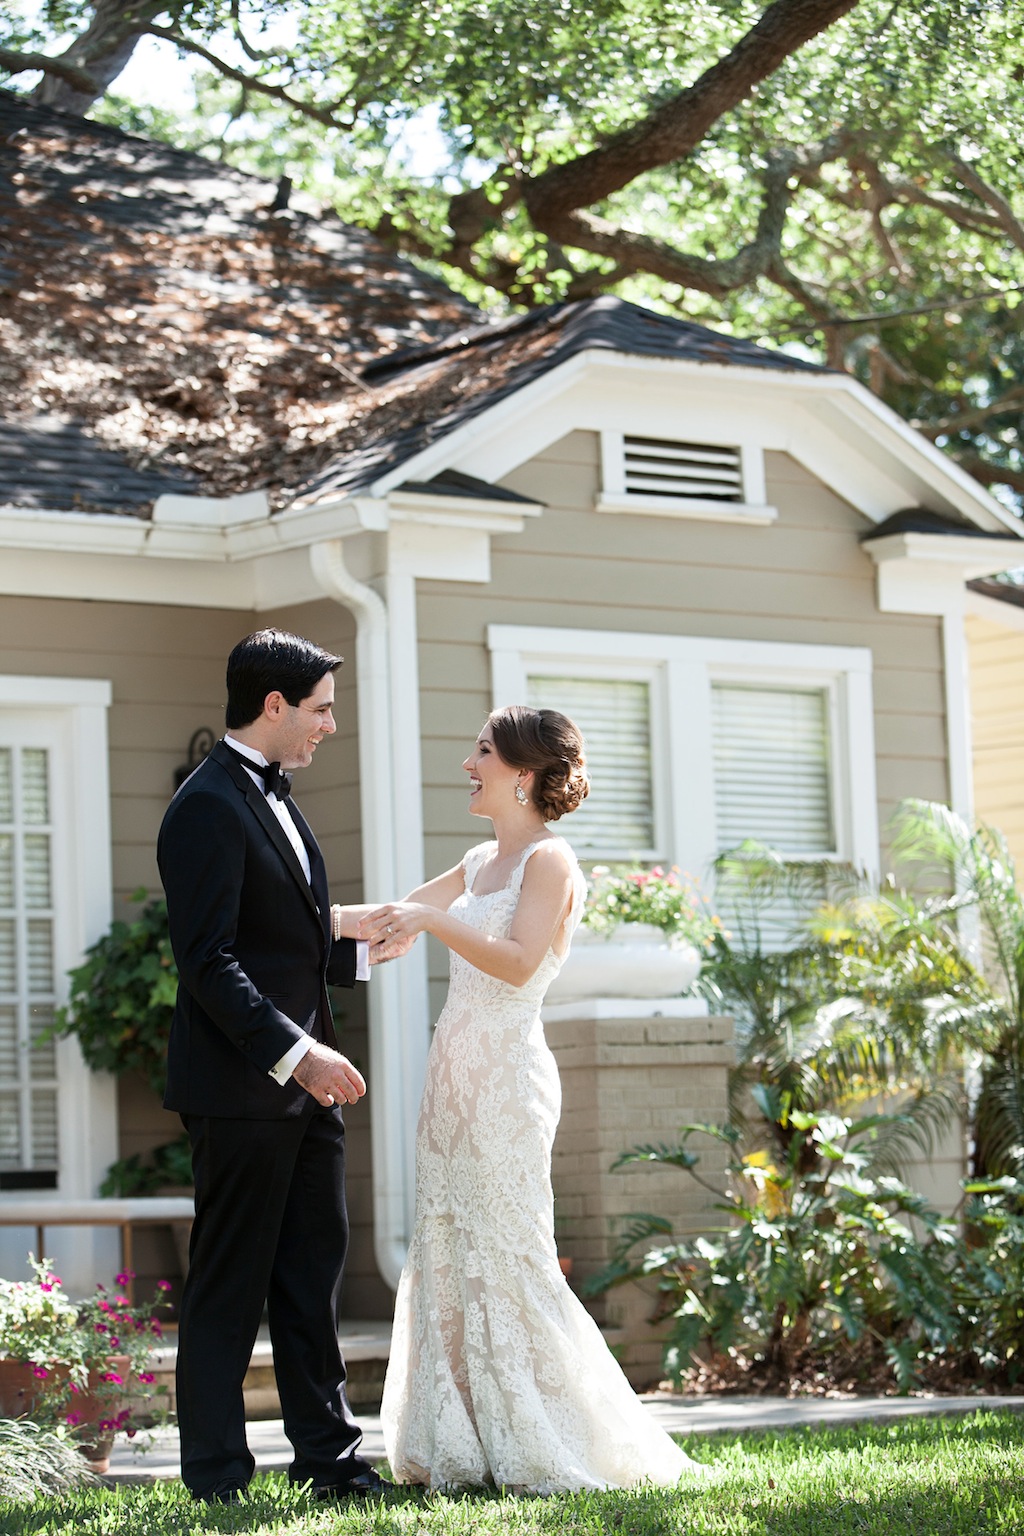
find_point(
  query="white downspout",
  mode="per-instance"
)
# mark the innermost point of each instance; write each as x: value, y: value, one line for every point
x: 399, y: 1036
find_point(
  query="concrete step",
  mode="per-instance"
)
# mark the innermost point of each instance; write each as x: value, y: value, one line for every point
x: 365, y: 1346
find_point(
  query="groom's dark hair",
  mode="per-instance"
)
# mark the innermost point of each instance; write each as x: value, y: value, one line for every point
x: 272, y: 660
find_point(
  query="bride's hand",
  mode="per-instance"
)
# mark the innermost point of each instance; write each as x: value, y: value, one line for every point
x: 397, y: 920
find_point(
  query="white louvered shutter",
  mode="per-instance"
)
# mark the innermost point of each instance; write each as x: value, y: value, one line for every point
x: 28, y: 1065
x: 617, y: 821
x: 773, y: 784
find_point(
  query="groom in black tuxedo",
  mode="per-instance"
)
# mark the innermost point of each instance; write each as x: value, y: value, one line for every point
x: 255, y: 1074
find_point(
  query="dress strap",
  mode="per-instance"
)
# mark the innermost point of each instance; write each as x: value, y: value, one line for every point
x: 472, y: 860
x: 515, y: 879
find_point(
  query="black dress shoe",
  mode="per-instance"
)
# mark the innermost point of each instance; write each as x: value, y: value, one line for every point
x: 362, y: 1486
x: 223, y: 1493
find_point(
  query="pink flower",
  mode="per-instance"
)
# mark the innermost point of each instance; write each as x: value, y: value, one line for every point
x: 156, y: 1328
x: 163, y: 1285
x: 74, y: 1387
x: 125, y: 1277
x: 73, y: 1419
x: 113, y: 1377
x: 40, y: 1371
x: 114, y: 1342
x: 100, y: 1327
x: 146, y: 1376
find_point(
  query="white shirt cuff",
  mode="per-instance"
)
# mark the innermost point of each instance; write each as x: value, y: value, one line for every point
x: 282, y: 1070
x: 362, y: 960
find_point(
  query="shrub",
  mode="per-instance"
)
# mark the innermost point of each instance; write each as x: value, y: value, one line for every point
x: 122, y: 997
x: 819, y: 1256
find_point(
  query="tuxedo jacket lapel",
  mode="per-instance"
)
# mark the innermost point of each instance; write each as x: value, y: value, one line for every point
x: 318, y: 873
x: 257, y: 802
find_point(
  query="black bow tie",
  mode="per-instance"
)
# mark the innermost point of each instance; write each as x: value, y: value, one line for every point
x: 274, y: 781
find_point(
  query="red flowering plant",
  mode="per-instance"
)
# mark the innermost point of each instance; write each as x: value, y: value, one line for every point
x: 101, y: 1347
x: 669, y: 900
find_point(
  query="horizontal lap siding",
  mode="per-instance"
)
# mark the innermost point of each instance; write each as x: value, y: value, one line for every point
x: 166, y: 668
x: 804, y: 579
x: 997, y: 697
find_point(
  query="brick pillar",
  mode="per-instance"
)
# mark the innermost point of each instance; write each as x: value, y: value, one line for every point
x: 633, y: 1072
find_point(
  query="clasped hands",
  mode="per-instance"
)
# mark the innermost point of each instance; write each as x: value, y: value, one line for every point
x: 391, y: 930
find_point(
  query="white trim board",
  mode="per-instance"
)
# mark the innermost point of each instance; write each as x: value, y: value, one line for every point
x: 828, y: 422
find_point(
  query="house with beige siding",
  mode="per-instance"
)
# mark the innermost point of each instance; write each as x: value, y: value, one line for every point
x: 742, y: 574
x: 995, y: 636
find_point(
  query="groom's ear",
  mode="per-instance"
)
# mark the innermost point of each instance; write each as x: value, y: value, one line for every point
x: 274, y: 704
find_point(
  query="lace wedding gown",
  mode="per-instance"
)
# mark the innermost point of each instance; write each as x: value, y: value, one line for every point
x: 497, y: 1373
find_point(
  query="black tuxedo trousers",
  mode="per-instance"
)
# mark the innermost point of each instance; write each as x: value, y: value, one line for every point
x: 251, y: 940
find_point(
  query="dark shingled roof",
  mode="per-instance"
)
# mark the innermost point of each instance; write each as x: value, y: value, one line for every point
x: 1007, y: 587
x: 921, y: 520
x: 162, y: 328
x: 427, y: 393
x: 151, y: 298
x: 53, y: 465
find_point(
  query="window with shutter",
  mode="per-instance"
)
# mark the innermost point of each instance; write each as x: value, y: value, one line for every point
x: 698, y: 743
x: 28, y: 1066
x: 615, y: 718
x: 772, y: 753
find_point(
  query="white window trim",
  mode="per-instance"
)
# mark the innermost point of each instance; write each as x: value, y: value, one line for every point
x: 753, y: 509
x: 683, y: 669
x: 87, y: 1101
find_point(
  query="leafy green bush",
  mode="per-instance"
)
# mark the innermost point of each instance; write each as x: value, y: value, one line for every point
x: 141, y: 1174
x: 828, y: 1263
x: 122, y: 997
x: 819, y: 1254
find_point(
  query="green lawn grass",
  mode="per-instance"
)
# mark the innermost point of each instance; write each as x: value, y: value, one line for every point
x: 955, y: 1476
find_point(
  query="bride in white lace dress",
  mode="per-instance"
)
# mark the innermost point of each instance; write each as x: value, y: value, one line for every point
x: 497, y: 1373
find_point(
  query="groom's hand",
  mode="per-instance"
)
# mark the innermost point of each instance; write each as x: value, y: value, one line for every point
x: 328, y: 1076
x: 392, y: 949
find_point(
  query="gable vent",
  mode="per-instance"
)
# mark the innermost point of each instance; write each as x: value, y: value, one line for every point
x: 657, y: 466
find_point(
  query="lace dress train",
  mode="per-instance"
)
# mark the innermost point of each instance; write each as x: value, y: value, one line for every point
x: 497, y: 1373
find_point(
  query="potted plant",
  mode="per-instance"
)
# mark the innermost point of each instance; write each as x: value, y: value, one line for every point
x: 642, y: 934
x: 84, y: 1364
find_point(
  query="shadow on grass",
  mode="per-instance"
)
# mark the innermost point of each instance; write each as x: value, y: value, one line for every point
x: 961, y: 1476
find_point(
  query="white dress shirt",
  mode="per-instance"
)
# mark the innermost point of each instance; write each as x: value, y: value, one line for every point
x: 282, y: 1070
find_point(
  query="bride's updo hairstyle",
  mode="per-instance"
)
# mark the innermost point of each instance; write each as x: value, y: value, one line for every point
x: 549, y: 744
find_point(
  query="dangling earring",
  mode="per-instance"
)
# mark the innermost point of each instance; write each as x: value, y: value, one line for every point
x: 521, y: 793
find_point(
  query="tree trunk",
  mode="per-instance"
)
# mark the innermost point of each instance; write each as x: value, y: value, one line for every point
x: 102, y: 51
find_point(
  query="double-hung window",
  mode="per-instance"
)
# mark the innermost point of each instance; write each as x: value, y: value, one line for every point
x: 57, y: 1119
x: 698, y: 745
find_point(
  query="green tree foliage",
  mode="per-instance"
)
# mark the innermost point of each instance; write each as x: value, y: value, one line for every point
x: 843, y: 175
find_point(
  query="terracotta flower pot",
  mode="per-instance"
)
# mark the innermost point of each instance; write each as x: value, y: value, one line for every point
x: 21, y: 1391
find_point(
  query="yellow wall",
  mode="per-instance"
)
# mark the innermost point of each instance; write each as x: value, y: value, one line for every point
x: 997, y: 723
